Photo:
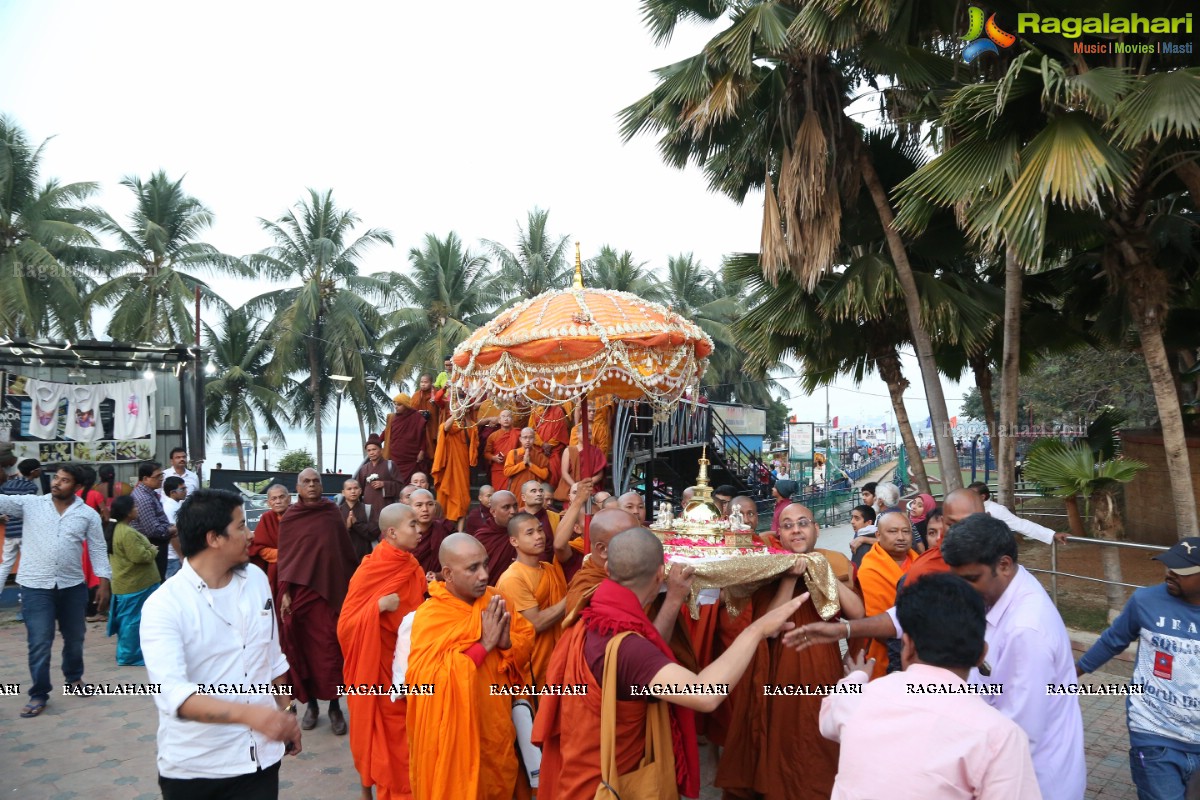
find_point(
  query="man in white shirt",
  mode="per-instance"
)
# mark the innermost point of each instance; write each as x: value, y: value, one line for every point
x: 1016, y: 524
x: 211, y: 639
x: 178, y: 468
x: 174, y: 490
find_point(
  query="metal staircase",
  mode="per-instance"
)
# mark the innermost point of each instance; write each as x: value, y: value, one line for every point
x: 668, y: 452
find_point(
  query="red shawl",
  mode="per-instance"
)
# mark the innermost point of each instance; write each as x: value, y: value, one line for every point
x: 315, y: 551
x: 614, y: 609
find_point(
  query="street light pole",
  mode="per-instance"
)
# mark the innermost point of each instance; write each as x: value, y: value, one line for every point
x: 342, y: 382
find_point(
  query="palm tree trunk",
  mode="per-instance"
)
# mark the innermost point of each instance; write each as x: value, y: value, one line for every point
x: 1145, y: 283
x: 1074, y: 518
x: 893, y: 375
x: 981, y: 366
x: 947, y: 455
x: 1108, y: 525
x: 314, y: 385
x: 1014, y: 275
x: 237, y: 442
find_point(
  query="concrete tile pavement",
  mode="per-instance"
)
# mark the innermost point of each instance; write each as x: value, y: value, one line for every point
x: 103, y: 748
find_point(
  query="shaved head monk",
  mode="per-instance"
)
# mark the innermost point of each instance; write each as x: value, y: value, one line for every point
x: 264, y: 550
x: 388, y: 585
x: 533, y: 501
x: 749, y: 510
x: 464, y: 640
x: 420, y: 480
x: 422, y: 401
x: 773, y: 747
x: 535, y: 589
x: 457, y: 451
x: 479, y: 516
x: 526, y: 462
x: 553, y: 434
x: 634, y: 504
x: 499, y: 444
x: 406, y: 493
x: 883, y: 565
x: 494, y: 535
x: 431, y: 529
x: 316, y: 560
x: 615, y: 648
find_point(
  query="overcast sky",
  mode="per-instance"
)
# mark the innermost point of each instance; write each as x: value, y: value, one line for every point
x: 422, y: 117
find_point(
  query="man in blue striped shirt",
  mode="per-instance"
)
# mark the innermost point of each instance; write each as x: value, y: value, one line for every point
x: 24, y: 482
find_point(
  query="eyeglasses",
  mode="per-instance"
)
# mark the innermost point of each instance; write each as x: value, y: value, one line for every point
x: 789, y: 525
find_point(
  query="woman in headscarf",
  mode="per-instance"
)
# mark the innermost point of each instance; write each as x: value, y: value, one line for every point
x: 783, y: 491
x: 919, y: 509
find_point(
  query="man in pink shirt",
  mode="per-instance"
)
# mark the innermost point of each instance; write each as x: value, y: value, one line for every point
x: 980, y: 752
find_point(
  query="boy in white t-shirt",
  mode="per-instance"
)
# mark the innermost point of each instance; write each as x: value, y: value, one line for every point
x: 174, y: 490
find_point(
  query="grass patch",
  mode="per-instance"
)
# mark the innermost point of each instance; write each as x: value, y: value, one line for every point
x: 1082, y: 617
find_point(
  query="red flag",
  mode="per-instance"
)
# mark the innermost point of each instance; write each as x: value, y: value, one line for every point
x: 835, y: 422
x: 954, y: 422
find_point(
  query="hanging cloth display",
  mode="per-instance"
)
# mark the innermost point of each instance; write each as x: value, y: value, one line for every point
x: 133, y: 414
x: 83, y: 412
x: 45, y: 400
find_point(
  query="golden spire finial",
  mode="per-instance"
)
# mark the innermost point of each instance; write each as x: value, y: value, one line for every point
x: 578, y: 268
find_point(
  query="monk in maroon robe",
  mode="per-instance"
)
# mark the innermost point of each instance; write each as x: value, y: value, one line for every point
x: 316, y: 561
x: 385, y: 488
x: 494, y: 535
x: 264, y: 549
x: 433, y: 530
x: 404, y: 439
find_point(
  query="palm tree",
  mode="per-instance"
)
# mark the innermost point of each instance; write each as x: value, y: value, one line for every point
x: 241, y: 394
x: 763, y: 105
x: 538, y: 264
x: 45, y: 237
x: 327, y: 325
x: 448, y: 294
x: 619, y: 272
x: 147, y: 287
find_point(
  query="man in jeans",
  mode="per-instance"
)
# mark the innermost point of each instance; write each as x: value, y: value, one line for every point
x: 24, y: 482
x: 151, y: 520
x: 54, y: 528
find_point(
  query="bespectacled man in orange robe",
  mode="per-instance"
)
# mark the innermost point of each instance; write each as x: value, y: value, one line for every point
x: 464, y: 641
x: 388, y: 585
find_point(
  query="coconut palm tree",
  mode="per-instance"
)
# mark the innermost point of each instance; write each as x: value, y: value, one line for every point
x: 45, y: 239
x: 148, y: 289
x: 538, y: 264
x: 619, y: 272
x: 329, y: 324
x: 448, y: 293
x: 240, y: 395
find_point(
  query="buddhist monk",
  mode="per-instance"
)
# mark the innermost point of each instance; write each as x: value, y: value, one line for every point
x: 421, y: 481
x: 404, y: 441
x: 606, y: 524
x: 264, y: 550
x: 748, y: 509
x: 464, y: 641
x: 494, y: 535
x: 773, y: 748
x: 533, y: 501
x: 357, y: 519
x: 388, y: 584
x: 600, y: 423
x: 422, y: 401
x: 499, y: 445
x: 568, y: 533
x: 525, y: 463
x: 568, y: 727
x: 634, y: 504
x: 553, y: 435
x: 406, y: 493
x: 479, y: 516
x: 378, y: 478
x: 316, y: 560
x: 888, y: 559
x: 452, y: 462
x: 432, y: 530
x: 958, y: 505
x: 535, y: 589
x: 570, y: 470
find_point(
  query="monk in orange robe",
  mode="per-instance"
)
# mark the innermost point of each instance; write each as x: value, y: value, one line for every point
x: 264, y: 549
x: 388, y: 584
x: 422, y: 400
x: 452, y: 462
x: 930, y: 562
x: 888, y: 559
x: 525, y: 463
x: 464, y: 640
x: 553, y: 434
x: 535, y: 589
x: 570, y: 470
x: 404, y: 439
x: 498, y: 446
x: 774, y: 748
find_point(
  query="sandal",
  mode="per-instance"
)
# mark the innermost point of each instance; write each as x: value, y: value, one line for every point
x: 33, y: 709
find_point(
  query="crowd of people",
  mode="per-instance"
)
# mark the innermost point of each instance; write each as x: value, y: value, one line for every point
x: 532, y: 641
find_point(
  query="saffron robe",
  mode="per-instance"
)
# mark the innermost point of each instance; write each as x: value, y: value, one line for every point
x: 501, y: 443
x: 452, y: 462
x: 563, y: 491
x: 527, y: 588
x: 552, y: 429
x: 264, y: 549
x: 462, y: 737
x: 316, y: 561
x: 378, y: 742
x: 404, y: 441
x: 422, y: 400
x: 928, y: 563
x: 877, y: 578
x: 517, y: 473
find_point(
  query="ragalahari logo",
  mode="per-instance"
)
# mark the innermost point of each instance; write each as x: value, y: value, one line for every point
x: 977, y: 27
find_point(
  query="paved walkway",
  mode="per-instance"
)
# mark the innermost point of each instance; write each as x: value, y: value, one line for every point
x: 102, y: 748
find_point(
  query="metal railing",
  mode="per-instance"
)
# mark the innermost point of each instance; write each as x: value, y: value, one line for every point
x: 1055, y: 573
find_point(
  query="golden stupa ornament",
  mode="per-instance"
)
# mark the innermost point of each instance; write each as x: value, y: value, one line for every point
x: 702, y: 509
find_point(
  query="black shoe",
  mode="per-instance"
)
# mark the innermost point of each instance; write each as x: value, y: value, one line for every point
x: 309, y: 720
x: 337, y: 722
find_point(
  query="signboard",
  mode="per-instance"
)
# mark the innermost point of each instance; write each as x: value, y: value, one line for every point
x: 742, y: 420
x: 800, y: 441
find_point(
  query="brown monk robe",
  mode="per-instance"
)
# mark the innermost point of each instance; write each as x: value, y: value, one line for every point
x: 498, y: 446
x: 431, y: 529
x: 264, y: 550
x: 388, y: 584
x: 570, y: 471
x: 553, y: 434
x: 774, y: 749
x: 479, y: 516
x: 494, y: 535
x: 385, y: 488
x: 316, y: 560
x: 422, y: 400
x: 364, y: 534
x: 404, y: 439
